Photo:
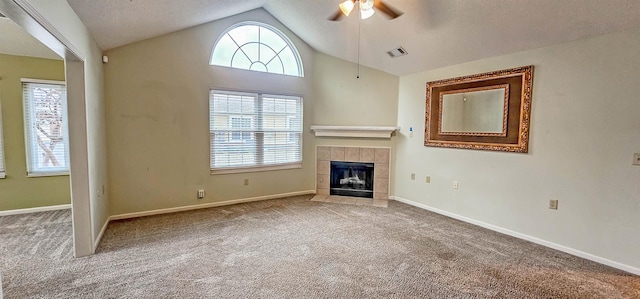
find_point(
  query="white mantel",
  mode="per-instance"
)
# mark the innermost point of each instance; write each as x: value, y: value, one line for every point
x: 354, y: 131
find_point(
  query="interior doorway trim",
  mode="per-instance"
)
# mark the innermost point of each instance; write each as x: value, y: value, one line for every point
x: 21, y: 12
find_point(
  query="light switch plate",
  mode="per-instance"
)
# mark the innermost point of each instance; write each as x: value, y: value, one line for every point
x: 553, y: 204
x: 636, y: 159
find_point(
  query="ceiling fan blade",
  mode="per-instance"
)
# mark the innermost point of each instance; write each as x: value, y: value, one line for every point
x: 387, y: 10
x: 337, y: 16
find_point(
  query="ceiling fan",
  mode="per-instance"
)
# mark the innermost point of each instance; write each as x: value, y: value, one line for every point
x: 366, y: 8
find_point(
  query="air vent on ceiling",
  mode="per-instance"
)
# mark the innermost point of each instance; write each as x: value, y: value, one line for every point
x: 399, y: 51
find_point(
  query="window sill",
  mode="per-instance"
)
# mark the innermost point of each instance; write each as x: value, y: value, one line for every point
x: 46, y: 174
x: 256, y: 169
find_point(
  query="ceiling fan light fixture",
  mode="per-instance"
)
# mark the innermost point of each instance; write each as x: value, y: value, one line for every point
x: 366, y: 4
x: 366, y: 13
x: 346, y: 7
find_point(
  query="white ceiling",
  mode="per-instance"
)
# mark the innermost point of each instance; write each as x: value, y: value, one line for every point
x: 16, y: 41
x: 435, y: 33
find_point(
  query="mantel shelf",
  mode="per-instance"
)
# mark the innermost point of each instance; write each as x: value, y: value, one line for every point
x: 354, y: 131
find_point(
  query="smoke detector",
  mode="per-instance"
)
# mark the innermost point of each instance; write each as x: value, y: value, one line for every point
x: 397, y: 52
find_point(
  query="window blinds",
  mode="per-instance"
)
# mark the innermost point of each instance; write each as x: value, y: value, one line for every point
x: 254, y: 130
x: 45, y: 123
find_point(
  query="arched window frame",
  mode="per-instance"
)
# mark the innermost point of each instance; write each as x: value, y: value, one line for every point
x: 283, y: 36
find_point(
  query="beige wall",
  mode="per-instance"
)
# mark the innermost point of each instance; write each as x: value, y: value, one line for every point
x: 17, y: 191
x: 343, y: 99
x: 584, y: 131
x: 157, y: 115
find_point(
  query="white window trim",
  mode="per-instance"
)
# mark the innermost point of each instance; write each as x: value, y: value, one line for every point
x: 253, y: 168
x: 256, y: 168
x: 46, y: 174
x: 35, y: 174
x: 40, y: 81
x: 3, y: 170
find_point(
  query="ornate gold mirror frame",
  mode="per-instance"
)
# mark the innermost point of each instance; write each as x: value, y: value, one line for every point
x: 512, y: 118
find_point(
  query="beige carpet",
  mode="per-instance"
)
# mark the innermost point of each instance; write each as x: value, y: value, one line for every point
x: 294, y: 248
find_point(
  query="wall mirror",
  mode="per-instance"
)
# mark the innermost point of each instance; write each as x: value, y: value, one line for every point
x: 488, y: 111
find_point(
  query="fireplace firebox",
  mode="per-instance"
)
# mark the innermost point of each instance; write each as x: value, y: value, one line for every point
x: 351, y: 179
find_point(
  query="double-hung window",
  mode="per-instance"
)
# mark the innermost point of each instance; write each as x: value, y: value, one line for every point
x: 45, y: 123
x: 253, y: 131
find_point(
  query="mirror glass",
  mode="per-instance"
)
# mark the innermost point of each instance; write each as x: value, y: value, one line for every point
x: 474, y: 111
x: 486, y: 111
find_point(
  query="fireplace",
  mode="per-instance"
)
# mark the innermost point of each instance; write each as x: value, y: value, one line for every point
x: 351, y: 179
x: 366, y: 155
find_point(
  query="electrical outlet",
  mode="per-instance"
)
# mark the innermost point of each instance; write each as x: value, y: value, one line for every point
x: 200, y: 194
x: 455, y: 185
x: 413, y: 176
x: 428, y: 179
x: 553, y: 204
x: 246, y: 182
x: 636, y: 159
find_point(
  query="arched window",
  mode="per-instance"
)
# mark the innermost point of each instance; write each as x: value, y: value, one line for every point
x: 257, y: 47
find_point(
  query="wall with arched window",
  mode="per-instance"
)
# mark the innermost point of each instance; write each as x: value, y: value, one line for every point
x: 158, y: 104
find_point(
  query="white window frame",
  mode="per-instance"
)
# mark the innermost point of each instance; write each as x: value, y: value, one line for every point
x: 259, y: 142
x: 32, y: 169
x: 2, y: 161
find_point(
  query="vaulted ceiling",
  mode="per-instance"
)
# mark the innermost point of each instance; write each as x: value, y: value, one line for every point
x: 435, y: 33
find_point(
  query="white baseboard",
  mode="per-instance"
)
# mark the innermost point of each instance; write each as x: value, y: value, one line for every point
x: 96, y: 242
x: 518, y: 235
x: 207, y: 205
x: 35, y: 210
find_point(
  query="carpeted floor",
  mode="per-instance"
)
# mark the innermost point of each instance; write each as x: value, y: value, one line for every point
x: 294, y: 248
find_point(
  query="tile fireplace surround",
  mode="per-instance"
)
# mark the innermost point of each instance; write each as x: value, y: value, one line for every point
x: 379, y: 156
